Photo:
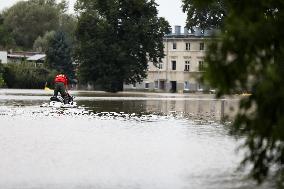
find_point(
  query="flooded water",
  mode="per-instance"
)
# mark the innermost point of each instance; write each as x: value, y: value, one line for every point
x: 118, y: 141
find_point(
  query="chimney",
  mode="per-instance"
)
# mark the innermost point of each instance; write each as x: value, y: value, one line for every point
x: 177, y: 30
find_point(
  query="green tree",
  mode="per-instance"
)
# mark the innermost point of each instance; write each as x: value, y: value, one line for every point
x: 41, y: 44
x: 58, y: 55
x: 204, y: 14
x: 6, y: 39
x: 249, y: 55
x: 29, y: 19
x: 116, y: 39
x: 67, y: 24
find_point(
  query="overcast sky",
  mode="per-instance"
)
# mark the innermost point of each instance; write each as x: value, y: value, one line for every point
x: 170, y: 9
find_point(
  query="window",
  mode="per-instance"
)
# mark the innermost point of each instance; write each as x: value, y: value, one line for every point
x: 174, y: 65
x: 162, y: 85
x: 187, y: 66
x: 201, y: 65
x: 187, y: 46
x: 201, y: 46
x: 199, y: 87
x: 146, y: 85
x: 156, y: 84
x: 186, y: 85
x: 174, y: 45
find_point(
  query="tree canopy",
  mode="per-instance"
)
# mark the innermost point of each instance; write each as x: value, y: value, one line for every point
x: 116, y: 39
x: 27, y: 20
x: 249, y: 56
x: 6, y: 39
x: 41, y: 44
x: 204, y: 14
x: 58, y: 55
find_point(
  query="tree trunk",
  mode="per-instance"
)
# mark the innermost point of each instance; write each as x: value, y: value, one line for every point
x: 115, y: 86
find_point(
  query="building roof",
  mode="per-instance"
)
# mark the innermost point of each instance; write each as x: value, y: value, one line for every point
x: 36, y: 57
x: 16, y: 56
x: 21, y: 54
x: 182, y: 36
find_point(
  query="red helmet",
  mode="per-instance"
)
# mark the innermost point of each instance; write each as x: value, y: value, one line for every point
x: 61, y: 78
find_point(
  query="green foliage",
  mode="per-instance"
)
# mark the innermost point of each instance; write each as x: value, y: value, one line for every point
x: 50, y: 78
x: 116, y: 39
x: 204, y: 14
x: 6, y: 39
x: 26, y: 76
x: 41, y: 44
x: 67, y: 24
x: 2, y: 82
x: 1, y: 68
x: 249, y: 56
x: 29, y: 19
x: 58, y: 55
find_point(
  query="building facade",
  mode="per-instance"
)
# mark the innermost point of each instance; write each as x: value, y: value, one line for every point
x: 3, y: 57
x: 181, y: 67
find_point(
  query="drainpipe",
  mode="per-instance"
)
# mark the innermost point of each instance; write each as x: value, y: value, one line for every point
x: 159, y: 76
x: 167, y: 61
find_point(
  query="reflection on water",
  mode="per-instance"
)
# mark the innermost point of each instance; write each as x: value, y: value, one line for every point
x: 121, y: 141
x: 190, y: 106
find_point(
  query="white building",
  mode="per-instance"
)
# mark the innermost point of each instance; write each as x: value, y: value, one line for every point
x: 3, y: 57
x: 182, y: 65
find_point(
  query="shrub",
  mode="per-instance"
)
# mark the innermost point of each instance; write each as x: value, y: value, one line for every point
x: 26, y: 76
x: 2, y: 82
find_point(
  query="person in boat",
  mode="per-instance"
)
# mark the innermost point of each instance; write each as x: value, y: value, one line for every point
x: 60, y: 86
